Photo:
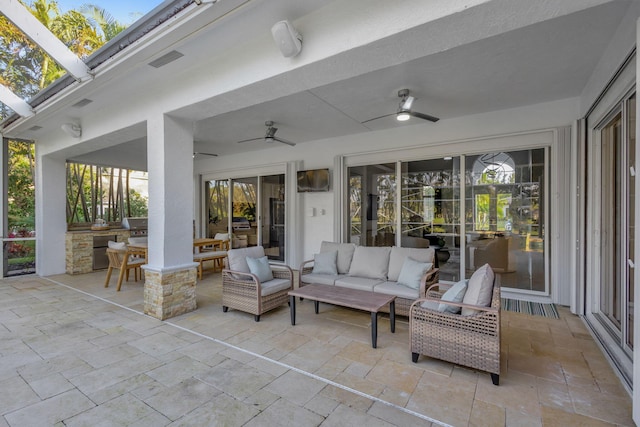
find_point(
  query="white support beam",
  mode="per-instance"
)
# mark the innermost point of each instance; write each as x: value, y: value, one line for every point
x: 25, y: 21
x: 13, y: 101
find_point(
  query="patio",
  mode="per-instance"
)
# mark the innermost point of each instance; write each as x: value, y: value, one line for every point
x: 72, y: 351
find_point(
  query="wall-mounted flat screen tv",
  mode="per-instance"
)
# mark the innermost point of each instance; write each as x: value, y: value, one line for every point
x: 313, y: 180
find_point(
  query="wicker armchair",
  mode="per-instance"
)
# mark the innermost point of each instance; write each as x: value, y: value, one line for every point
x: 472, y: 341
x: 243, y: 291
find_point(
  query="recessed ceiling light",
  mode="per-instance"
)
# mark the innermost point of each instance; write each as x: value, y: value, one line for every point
x: 448, y: 158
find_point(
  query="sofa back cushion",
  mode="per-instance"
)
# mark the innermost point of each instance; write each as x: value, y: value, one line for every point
x: 398, y: 255
x: 370, y: 262
x: 479, y: 289
x: 345, y: 254
x: 237, y: 258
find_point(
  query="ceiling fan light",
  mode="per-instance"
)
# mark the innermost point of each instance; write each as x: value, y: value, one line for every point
x: 403, y: 116
x: 269, y: 139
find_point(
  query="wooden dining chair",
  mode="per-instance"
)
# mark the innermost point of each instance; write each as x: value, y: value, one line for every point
x: 124, y: 260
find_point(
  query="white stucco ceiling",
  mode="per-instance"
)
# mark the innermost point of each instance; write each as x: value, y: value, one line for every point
x: 449, y: 74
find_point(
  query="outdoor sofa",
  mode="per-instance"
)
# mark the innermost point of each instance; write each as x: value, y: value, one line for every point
x: 403, y: 272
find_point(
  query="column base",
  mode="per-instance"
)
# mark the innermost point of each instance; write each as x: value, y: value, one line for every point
x: 169, y: 294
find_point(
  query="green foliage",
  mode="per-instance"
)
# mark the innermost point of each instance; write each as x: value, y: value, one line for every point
x: 21, y: 189
x: 138, y: 204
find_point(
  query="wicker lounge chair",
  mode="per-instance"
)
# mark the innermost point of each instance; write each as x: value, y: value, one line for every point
x: 243, y: 290
x: 471, y: 340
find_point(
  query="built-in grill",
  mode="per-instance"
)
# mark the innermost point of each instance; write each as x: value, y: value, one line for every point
x: 136, y: 226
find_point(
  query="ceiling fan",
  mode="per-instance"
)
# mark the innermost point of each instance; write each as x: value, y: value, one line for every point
x: 404, y: 112
x: 197, y: 153
x: 270, y: 136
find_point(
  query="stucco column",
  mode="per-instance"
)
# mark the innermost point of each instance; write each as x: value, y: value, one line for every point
x: 170, y: 275
x: 51, y: 220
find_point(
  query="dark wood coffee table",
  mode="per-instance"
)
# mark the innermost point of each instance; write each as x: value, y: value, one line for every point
x: 345, y: 297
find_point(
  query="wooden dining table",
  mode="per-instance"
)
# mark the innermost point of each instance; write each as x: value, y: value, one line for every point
x: 198, y: 244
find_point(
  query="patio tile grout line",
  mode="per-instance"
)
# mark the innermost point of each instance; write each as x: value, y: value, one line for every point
x: 277, y: 362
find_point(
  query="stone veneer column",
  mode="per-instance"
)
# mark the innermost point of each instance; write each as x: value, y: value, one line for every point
x: 170, y: 274
x: 170, y: 293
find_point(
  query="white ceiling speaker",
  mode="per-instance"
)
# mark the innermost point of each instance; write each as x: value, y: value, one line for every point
x: 289, y: 40
x: 72, y: 129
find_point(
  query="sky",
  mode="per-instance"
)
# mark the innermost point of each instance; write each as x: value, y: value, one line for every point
x: 124, y: 11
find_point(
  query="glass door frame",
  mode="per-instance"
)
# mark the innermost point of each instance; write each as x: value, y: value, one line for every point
x: 608, y: 334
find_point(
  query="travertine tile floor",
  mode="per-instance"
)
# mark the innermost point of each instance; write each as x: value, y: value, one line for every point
x: 74, y: 353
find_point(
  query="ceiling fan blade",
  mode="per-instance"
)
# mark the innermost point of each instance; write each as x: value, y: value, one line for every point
x: 284, y: 141
x: 196, y: 153
x: 424, y: 116
x: 376, y: 118
x: 251, y: 139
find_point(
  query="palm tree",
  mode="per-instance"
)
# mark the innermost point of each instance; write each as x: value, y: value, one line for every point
x: 26, y: 69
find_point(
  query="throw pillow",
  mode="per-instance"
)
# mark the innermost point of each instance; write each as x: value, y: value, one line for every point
x: 453, y: 294
x: 345, y: 254
x: 479, y: 289
x: 260, y: 267
x: 412, y: 272
x: 325, y: 263
x: 370, y: 262
x: 120, y: 246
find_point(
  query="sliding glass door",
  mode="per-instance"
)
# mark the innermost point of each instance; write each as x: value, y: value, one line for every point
x: 252, y: 209
x: 613, y: 302
x: 475, y: 209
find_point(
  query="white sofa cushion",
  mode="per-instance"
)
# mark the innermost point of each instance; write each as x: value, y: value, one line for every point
x: 412, y: 272
x: 479, y: 289
x: 260, y: 268
x: 392, y: 288
x: 237, y: 258
x: 273, y: 286
x: 398, y: 255
x: 370, y: 262
x: 325, y: 263
x: 345, y: 254
x: 321, y: 279
x: 361, y: 283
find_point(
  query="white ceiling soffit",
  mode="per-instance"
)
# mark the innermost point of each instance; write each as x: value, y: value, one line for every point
x: 29, y: 24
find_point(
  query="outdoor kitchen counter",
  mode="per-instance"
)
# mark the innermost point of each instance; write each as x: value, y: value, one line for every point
x: 79, y: 248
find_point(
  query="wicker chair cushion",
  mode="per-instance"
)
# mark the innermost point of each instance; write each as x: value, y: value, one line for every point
x: 345, y: 254
x: 479, y: 289
x: 237, y: 258
x: 454, y: 294
x: 322, y: 279
x: 260, y: 267
x: 361, y: 283
x: 412, y: 272
x: 370, y: 262
x: 392, y: 288
x: 398, y: 255
x: 119, y: 246
x: 273, y: 286
x: 325, y: 263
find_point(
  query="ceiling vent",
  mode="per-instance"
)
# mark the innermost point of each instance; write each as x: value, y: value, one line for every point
x: 165, y: 59
x: 82, y: 103
x: 35, y: 127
